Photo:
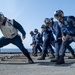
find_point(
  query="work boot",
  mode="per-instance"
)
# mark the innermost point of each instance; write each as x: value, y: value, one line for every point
x: 52, y: 56
x: 40, y: 54
x: 55, y: 59
x: 32, y: 54
x: 30, y: 61
x: 47, y: 55
x: 41, y: 58
x: 60, y: 61
x: 35, y: 55
x: 71, y: 57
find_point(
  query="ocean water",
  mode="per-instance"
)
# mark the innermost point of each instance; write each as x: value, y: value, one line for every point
x: 13, y: 50
x: 18, y: 50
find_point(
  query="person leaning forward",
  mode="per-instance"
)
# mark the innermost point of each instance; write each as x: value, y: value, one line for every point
x: 9, y: 29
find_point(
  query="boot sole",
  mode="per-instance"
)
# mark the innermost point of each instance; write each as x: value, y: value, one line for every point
x: 60, y: 63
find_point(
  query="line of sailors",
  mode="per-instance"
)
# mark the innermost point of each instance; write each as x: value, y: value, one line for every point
x: 58, y: 34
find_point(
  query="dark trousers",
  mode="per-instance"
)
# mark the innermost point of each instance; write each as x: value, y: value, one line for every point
x: 65, y: 44
x: 58, y: 46
x: 33, y: 50
x: 16, y: 41
x: 50, y: 50
x: 46, y: 45
x: 37, y: 47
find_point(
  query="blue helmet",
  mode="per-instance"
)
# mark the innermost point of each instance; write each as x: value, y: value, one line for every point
x: 47, y: 21
x: 51, y: 19
x: 36, y: 30
x: 31, y: 32
x: 43, y: 26
x: 58, y: 13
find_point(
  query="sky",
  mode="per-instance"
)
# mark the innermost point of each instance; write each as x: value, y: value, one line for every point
x: 31, y: 14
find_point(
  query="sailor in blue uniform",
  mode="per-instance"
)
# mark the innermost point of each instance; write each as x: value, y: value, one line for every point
x: 33, y: 42
x: 54, y: 25
x: 47, y: 41
x: 38, y: 41
x: 67, y: 24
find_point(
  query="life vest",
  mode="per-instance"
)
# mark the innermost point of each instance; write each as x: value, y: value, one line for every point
x: 8, y: 30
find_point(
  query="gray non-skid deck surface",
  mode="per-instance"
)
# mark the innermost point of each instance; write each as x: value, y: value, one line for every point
x: 18, y: 66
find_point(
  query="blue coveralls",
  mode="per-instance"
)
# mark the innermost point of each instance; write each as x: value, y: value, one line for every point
x: 33, y: 43
x: 38, y: 42
x: 68, y: 30
x: 47, y: 41
x: 57, y: 32
x: 58, y: 41
x: 16, y: 40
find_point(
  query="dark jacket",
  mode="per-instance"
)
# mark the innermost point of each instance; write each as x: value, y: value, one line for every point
x: 38, y: 38
x: 19, y: 27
